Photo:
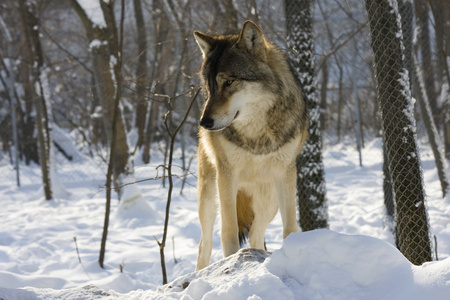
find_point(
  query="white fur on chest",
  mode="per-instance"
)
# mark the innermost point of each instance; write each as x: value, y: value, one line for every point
x: 248, y: 167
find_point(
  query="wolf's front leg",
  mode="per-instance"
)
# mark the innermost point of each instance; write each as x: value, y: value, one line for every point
x: 207, y: 208
x: 227, y: 187
x: 286, y: 201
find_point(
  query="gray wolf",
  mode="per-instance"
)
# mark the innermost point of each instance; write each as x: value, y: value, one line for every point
x: 253, y: 125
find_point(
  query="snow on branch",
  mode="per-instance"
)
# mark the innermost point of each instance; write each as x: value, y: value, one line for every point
x: 93, y: 11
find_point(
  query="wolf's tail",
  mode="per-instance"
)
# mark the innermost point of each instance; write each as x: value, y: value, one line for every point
x: 245, y: 215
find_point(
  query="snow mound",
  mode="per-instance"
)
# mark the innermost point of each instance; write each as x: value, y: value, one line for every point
x: 235, y: 277
x: 319, y: 264
x: 323, y: 264
x: 132, y: 203
x: 31, y: 293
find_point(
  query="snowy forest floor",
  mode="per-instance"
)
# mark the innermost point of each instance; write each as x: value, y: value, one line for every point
x: 38, y: 247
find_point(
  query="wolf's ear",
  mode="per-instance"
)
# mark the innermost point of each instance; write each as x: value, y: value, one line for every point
x: 252, y: 40
x: 204, y: 41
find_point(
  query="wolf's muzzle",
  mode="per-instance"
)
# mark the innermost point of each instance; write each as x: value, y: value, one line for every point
x: 207, y: 123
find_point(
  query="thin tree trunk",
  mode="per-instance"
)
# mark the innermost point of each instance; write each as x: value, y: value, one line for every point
x: 389, y: 203
x: 141, y: 73
x: 340, y: 102
x: 323, y: 96
x: 422, y: 12
x: 27, y: 120
x: 115, y: 41
x: 152, y: 113
x: 30, y: 22
x: 106, y: 58
x: 418, y: 90
x: 441, y: 13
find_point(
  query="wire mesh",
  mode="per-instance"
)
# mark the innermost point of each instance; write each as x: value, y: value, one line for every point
x: 399, y: 128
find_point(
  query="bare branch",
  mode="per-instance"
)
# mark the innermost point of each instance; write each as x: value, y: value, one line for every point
x: 169, y: 193
x: 67, y: 51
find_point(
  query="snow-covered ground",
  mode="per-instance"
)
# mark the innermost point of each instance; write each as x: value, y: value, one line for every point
x: 354, y: 260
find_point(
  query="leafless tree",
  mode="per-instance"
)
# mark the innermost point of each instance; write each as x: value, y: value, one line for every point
x: 39, y: 77
x: 106, y: 50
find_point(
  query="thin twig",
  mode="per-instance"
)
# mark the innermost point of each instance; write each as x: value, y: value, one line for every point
x: 159, y: 244
x: 121, y: 266
x: 58, y: 45
x: 435, y: 247
x: 173, y: 250
x: 340, y: 45
x: 186, y: 174
x: 169, y: 193
x: 78, y: 252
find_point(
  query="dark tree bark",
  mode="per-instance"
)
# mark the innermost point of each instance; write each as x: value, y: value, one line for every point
x: 323, y: 96
x: 441, y: 13
x: 389, y: 203
x: 106, y: 58
x: 412, y: 234
x: 160, y: 18
x: 419, y: 92
x: 141, y: 73
x: 340, y: 102
x: 31, y: 25
x: 424, y: 41
x: 311, y: 189
x: 27, y: 120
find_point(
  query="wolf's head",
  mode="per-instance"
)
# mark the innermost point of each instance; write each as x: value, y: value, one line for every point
x: 233, y: 73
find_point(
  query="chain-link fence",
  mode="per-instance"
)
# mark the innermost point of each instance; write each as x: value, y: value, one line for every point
x: 399, y: 125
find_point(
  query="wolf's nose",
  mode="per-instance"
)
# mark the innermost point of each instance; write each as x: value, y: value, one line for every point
x: 207, y: 122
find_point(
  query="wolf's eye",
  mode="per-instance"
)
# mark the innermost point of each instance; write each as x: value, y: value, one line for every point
x: 229, y: 82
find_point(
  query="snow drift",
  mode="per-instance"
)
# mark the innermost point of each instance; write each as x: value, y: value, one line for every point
x: 319, y: 264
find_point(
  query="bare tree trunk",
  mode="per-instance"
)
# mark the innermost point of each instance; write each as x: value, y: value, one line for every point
x: 422, y: 16
x: 447, y: 127
x: 31, y: 26
x: 340, y: 102
x: 28, y: 119
x: 323, y: 97
x: 412, y: 234
x: 141, y: 73
x: 441, y: 13
x: 160, y: 19
x: 311, y: 189
x: 106, y: 58
x: 389, y: 203
x: 418, y: 90
x: 438, y: 10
